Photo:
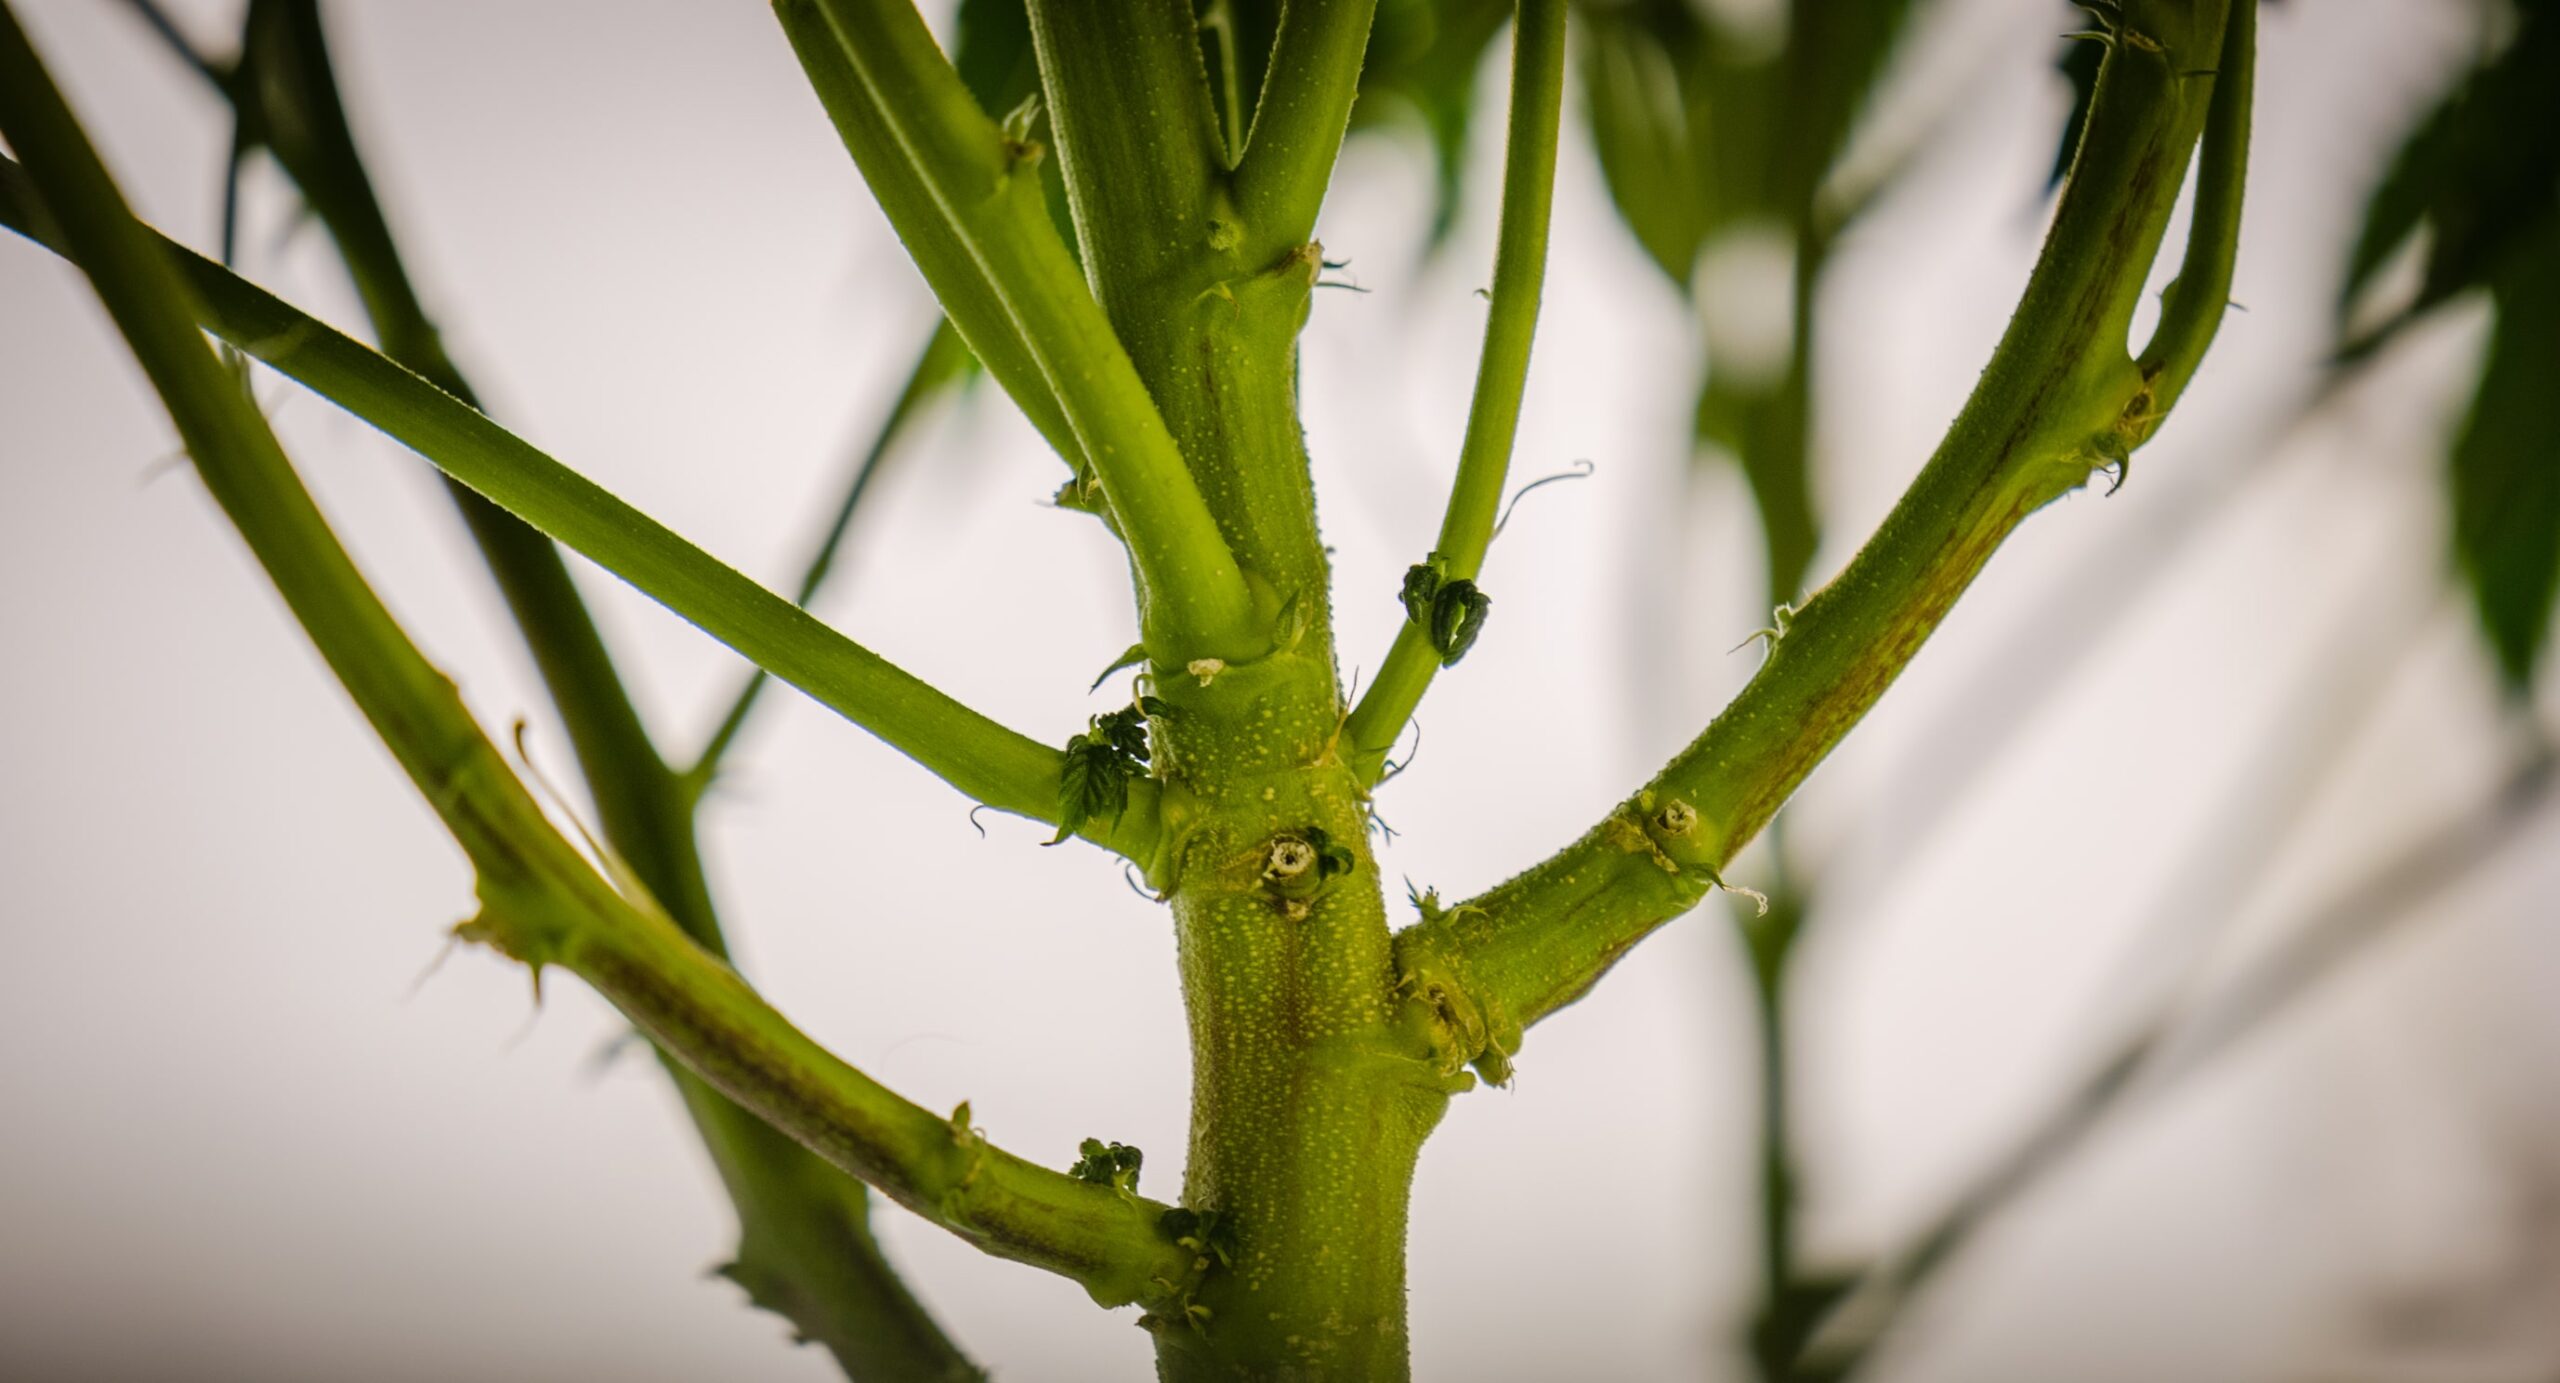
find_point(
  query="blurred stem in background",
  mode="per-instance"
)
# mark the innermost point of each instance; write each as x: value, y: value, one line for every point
x: 806, y: 1250
x: 1718, y: 147
x: 1721, y: 148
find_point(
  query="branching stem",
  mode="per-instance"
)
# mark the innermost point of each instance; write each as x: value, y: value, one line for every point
x: 944, y: 361
x: 1502, y: 372
x: 1299, y: 117
x: 998, y: 766
x: 541, y: 901
x: 914, y: 128
x: 2061, y: 399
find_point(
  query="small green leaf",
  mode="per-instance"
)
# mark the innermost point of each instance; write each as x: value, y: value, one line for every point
x: 1022, y: 119
x: 1332, y: 857
x: 2472, y: 174
x: 1093, y: 783
x: 1108, y: 1164
x: 1125, y: 730
x: 1297, y: 615
x: 1137, y: 654
x: 1421, y: 585
x: 1457, y: 617
x: 1209, y: 1233
x: 1641, y: 68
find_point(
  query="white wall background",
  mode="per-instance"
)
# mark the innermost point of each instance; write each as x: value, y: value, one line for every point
x: 249, y: 1128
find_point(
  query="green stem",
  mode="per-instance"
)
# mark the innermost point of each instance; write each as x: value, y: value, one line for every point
x: 1209, y: 321
x: 806, y: 1250
x: 968, y: 297
x: 1787, y: 1310
x: 1502, y: 373
x: 999, y: 767
x: 284, y: 69
x: 1137, y: 138
x: 541, y: 902
x: 2191, y: 310
x: 943, y: 362
x: 805, y: 1244
x: 1314, y: 1079
x: 981, y: 193
x: 2060, y: 399
x: 1284, y: 164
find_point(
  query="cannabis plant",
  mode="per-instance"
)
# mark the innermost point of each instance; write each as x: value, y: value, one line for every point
x: 1116, y: 205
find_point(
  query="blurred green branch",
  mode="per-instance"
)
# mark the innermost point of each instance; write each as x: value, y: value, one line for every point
x: 805, y: 1244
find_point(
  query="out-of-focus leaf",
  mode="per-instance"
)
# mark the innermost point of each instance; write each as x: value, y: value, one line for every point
x: 991, y: 49
x: 1762, y: 429
x: 2480, y: 175
x: 2078, y: 65
x: 1697, y: 132
x: 1836, y: 49
x: 1641, y: 65
x: 1701, y: 134
x: 1422, y: 63
x: 2505, y: 470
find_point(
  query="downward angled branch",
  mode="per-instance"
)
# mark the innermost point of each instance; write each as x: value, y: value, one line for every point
x: 541, y: 901
x: 985, y: 760
x: 2060, y: 400
x: 949, y: 177
x: 1502, y: 373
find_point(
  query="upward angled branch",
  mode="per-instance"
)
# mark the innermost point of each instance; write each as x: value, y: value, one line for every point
x: 996, y: 765
x: 1137, y: 138
x: 2060, y: 399
x: 1299, y: 120
x: 943, y: 364
x: 284, y: 86
x: 805, y: 1245
x: 1493, y: 420
x: 913, y: 127
x: 541, y: 901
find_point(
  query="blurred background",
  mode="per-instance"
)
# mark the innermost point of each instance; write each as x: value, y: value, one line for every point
x: 2227, y: 745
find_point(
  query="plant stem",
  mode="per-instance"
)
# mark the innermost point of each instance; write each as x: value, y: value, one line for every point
x: 2060, y: 399
x: 805, y: 1244
x: 1502, y: 372
x: 1284, y: 163
x: 981, y: 194
x: 1137, y: 137
x: 1313, y: 1079
x: 944, y: 361
x: 999, y: 767
x: 2191, y: 309
x: 541, y: 902
x: 969, y: 298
